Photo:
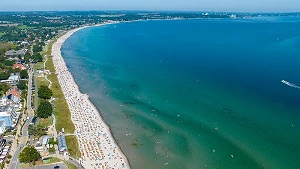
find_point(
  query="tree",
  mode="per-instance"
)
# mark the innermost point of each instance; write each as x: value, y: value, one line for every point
x: 22, y: 84
x: 27, y: 56
x: 24, y: 94
x: 4, y: 87
x: 45, y: 109
x: 29, y: 154
x: 9, y: 62
x: 23, y: 74
x: 44, y: 92
x: 36, y: 131
x: 37, y: 57
x: 4, y: 75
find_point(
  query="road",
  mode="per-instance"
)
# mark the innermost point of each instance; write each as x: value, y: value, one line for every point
x: 50, y: 166
x: 36, y: 92
x: 15, y: 164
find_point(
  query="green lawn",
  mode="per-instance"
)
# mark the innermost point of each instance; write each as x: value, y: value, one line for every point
x: 73, y: 147
x: 40, y: 162
x: 25, y: 27
x: 70, y: 165
x: 61, y: 109
x: 41, y: 81
x: 38, y: 66
x: 46, y: 122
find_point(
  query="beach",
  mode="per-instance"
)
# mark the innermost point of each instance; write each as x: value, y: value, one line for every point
x: 97, y: 145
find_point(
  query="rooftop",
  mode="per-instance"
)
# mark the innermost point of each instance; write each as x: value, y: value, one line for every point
x: 14, y: 91
x: 4, y: 108
x: 62, y: 145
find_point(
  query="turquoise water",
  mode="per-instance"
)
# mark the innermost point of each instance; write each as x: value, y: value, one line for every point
x: 195, y: 93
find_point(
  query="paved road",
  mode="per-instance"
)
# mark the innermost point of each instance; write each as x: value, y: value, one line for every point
x: 15, y: 164
x: 50, y: 166
x: 36, y: 93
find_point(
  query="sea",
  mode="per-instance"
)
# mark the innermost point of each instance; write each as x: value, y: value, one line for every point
x: 192, y: 94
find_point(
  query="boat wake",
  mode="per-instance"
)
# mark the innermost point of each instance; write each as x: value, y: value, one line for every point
x: 290, y: 84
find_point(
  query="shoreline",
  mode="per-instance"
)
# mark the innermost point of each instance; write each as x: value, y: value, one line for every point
x: 86, y: 117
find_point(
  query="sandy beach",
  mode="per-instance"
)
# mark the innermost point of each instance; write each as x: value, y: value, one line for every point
x: 97, y: 145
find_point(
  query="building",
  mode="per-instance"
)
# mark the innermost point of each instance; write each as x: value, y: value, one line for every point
x: 9, y: 116
x: 12, y: 53
x: 14, y: 95
x: 45, y: 140
x: 39, y: 146
x: 2, y: 127
x: 62, y: 144
x: 18, y: 66
x: 3, y: 101
x: 3, y: 149
x: 13, y: 79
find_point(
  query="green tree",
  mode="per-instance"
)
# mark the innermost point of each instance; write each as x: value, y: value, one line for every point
x: 27, y: 56
x: 45, y: 109
x: 37, y: 57
x: 23, y: 74
x: 24, y: 94
x: 4, y: 75
x: 29, y: 154
x: 4, y: 87
x: 36, y: 131
x: 22, y: 84
x: 9, y: 62
x: 44, y: 92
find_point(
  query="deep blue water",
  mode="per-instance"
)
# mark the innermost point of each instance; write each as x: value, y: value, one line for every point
x: 191, y: 93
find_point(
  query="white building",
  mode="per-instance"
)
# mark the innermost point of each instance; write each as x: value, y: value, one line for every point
x: 9, y: 116
x: 2, y: 127
x: 13, y: 79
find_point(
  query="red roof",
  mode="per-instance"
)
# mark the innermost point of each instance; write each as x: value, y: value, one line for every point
x: 18, y: 65
x: 14, y: 91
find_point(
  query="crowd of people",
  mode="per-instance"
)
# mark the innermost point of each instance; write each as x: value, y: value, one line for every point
x: 97, y: 146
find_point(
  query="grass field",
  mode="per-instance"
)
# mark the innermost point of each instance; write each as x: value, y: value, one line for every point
x: 40, y: 162
x: 41, y: 81
x: 46, y: 122
x: 61, y: 109
x: 73, y: 147
x: 70, y: 165
x: 25, y: 27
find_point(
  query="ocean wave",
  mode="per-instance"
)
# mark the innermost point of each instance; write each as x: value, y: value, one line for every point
x: 290, y: 84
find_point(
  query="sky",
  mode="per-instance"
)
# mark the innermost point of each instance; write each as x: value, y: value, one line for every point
x: 175, y: 5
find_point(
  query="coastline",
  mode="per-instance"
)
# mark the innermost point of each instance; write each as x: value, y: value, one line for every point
x: 96, y: 142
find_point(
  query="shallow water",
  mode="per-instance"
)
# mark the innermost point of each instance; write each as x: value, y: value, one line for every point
x: 195, y: 93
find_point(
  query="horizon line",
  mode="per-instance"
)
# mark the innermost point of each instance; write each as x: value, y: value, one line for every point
x: 143, y: 10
